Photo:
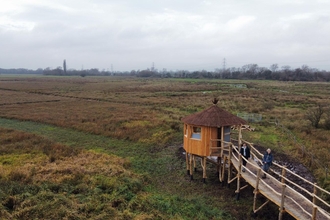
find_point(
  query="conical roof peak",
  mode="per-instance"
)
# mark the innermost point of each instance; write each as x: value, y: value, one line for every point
x: 213, y: 116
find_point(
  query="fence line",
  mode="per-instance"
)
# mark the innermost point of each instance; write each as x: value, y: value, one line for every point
x: 250, y: 117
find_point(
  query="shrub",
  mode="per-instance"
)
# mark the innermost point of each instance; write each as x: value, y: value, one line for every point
x: 314, y: 115
x: 327, y: 120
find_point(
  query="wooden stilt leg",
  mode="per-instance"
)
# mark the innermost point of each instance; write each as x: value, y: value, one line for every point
x: 220, y: 168
x: 223, y: 168
x: 255, y: 200
x: 218, y: 165
x: 229, y: 165
x: 204, y: 169
x: 191, y: 166
x: 223, y: 171
x: 280, y: 215
x: 195, y: 168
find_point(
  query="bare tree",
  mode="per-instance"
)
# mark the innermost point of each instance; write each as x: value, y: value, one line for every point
x: 252, y: 68
x: 274, y: 67
x: 306, y: 68
x: 314, y: 115
x: 286, y: 68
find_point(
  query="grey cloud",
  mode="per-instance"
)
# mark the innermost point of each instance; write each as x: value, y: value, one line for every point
x: 173, y: 34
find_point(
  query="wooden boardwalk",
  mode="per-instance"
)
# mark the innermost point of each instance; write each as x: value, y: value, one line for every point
x: 277, y: 188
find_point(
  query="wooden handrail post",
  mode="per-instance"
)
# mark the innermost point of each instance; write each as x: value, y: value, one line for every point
x: 229, y: 162
x: 314, y: 213
x: 283, y: 174
x: 281, y: 209
x: 258, y: 179
x: 315, y: 193
x: 240, y: 137
x: 239, y: 163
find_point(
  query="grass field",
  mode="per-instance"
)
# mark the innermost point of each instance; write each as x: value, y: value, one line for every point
x: 108, y: 147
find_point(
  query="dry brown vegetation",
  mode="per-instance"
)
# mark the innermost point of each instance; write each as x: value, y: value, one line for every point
x: 41, y: 179
x: 136, y: 109
x: 148, y: 111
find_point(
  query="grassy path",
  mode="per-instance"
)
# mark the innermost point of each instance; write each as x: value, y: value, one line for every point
x: 141, y: 158
x: 64, y: 135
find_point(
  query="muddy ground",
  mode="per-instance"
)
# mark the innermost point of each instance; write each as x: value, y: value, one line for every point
x: 295, y: 166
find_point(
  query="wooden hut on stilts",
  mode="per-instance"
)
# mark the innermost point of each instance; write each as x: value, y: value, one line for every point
x: 209, y: 135
x: 206, y: 135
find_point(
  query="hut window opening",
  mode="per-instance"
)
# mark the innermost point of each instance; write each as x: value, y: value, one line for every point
x: 196, y: 134
x: 227, y: 133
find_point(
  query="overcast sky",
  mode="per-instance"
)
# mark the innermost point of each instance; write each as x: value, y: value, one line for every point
x: 171, y: 34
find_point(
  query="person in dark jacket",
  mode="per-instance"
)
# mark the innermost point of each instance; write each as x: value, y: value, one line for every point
x: 267, y: 161
x: 245, y: 151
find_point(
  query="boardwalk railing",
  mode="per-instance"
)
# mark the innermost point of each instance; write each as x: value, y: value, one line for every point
x: 299, y: 197
x: 283, y: 175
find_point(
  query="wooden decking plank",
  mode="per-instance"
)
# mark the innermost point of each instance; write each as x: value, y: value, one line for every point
x: 295, y: 203
x: 290, y: 207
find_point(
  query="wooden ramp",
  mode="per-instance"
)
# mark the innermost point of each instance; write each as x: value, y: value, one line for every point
x: 280, y: 194
x: 277, y: 188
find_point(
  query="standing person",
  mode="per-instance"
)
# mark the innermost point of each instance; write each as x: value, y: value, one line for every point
x: 245, y: 151
x: 267, y: 161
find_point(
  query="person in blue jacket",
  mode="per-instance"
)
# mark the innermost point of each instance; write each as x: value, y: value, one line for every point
x: 267, y: 161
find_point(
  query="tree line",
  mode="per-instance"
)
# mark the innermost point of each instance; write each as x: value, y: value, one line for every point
x: 249, y: 71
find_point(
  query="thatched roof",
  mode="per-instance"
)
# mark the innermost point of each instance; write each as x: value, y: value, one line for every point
x: 213, y: 117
